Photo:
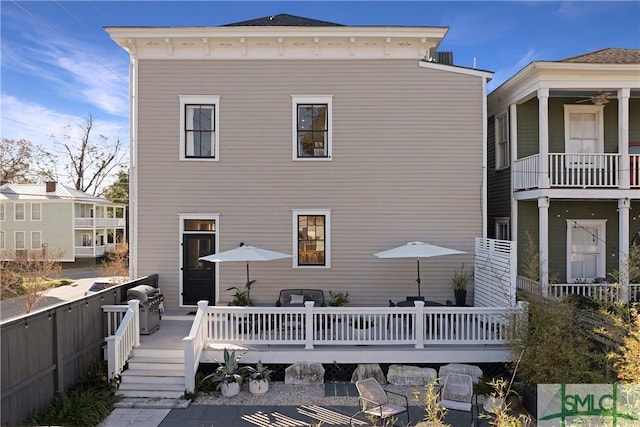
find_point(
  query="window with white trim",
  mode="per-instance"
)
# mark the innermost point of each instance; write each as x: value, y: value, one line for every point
x: 199, y: 127
x: 2, y: 211
x: 503, y: 231
x: 586, y: 249
x: 19, y: 240
x: 312, y: 127
x: 503, y: 156
x: 36, y: 240
x: 87, y: 239
x: 36, y: 211
x: 312, y: 238
x: 583, y: 132
x: 1, y: 239
x: 19, y: 212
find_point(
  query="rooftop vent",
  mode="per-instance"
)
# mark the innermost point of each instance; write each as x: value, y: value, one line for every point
x: 445, y: 58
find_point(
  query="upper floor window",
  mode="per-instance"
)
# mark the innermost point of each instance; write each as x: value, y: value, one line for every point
x: 19, y: 212
x: 199, y: 127
x: 503, y: 231
x: 502, y: 141
x: 583, y: 132
x: 36, y: 211
x: 2, y: 211
x: 312, y: 238
x: 312, y: 125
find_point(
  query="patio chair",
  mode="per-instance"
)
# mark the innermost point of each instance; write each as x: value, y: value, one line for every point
x: 374, y: 401
x: 457, y: 393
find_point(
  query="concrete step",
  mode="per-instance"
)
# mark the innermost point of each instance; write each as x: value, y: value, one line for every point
x: 159, y: 381
x: 152, y: 387
x: 154, y: 373
x: 155, y: 352
x: 151, y: 394
x: 152, y: 403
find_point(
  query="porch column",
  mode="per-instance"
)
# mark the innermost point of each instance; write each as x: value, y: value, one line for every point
x: 623, y: 246
x: 513, y: 142
x: 623, y: 137
x: 543, y: 130
x: 543, y: 225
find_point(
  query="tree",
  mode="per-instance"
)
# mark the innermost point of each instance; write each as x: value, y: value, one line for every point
x: 26, y: 275
x: 90, y: 160
x: 118, y: 192
x: 23, y: 162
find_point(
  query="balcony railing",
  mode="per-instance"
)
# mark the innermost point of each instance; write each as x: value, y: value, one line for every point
x: 573, y: 170
x: 89, y: 251
x: 98, y: 222
x: 598, y: 291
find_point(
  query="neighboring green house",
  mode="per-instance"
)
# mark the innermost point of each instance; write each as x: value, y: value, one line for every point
x: 564, y: 164
x: 53, y: 217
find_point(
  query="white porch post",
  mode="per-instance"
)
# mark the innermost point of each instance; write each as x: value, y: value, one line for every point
x: 623, y: 246
x: 513, y: 142
x: 308, y: 325
x: 543, y: 130
x: 419, y: 328
x: 623, y: 137
x: 543, y: 225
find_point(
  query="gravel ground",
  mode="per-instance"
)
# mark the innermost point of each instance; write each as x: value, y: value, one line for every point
x: 282, y: 394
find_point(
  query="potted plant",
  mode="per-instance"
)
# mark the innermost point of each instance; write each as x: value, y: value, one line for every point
x: 227, y: 377
x: 259, y: 377
x: 460, y: 281
x: 338, y: 299
x: 241, y: 297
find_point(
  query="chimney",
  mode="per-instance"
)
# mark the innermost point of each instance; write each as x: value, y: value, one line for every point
x: 51, y: 187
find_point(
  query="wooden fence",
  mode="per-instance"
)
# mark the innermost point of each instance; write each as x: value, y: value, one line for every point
x: 48, y: 350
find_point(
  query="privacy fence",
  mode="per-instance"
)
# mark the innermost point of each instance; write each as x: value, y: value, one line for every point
x: 46, y: 351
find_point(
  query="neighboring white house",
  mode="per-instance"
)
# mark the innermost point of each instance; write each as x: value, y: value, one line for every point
x: 53, y: 217
x: 564, y: 164
x: 325, y: 141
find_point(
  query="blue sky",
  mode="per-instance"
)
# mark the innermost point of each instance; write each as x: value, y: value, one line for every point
x: 58, y: 65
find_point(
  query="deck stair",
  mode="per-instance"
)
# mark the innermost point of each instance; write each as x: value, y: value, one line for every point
x: 153, y: 373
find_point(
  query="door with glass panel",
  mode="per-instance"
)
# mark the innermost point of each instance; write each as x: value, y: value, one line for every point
x: 198, y: 277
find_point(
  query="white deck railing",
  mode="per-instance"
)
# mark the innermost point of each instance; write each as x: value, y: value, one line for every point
x: 194, y: 344
x: 126, y: 337
x: 575, y: 170
x: 531, y: 286
x: 598, y: 291
x: 634, y: 177
x: 313, y: 326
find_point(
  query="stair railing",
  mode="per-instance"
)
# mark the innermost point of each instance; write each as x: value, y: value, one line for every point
x: 121, y: 344
x: 194, y: 344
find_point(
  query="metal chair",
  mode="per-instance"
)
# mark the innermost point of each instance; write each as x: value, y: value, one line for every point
x: 457, y: 393
x: 374, y: 401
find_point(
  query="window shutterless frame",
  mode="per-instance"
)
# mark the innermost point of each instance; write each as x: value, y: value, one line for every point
x: 199, y: 127
x: 312, y: 127
x: 312, y: 238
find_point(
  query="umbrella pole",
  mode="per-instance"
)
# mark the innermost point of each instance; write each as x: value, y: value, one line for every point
x: 248, y: 285
x: 418, y: 279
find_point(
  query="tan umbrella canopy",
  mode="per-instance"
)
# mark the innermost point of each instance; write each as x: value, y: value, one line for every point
x: 417, y: 250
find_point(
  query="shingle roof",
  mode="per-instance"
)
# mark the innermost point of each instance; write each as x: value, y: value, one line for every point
x: 607, y: 56
x: 39, y: 192
x: 283, y: 20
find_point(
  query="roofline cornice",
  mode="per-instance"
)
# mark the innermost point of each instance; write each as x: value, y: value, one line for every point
x: 456, y: 69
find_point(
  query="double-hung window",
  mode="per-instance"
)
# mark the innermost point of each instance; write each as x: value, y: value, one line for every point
x: 19, y: 214
x: 502, y: 141
x: 36, y: 211
x: 584, y: 133
x: 19, y: 240
x: 2, y: 210
x: 36, y: 239
x: 312, y: 243
x: 199, y: 127
x: 586, y: 246
x: 312, y: 127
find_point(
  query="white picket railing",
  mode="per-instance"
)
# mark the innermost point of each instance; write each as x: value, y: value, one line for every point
x: 598, y: 291
x: 115, y: 314
x: 526, y: 172
x: 531, y: 286
x: 634, y: 172
x: 194, y: 345
x: 312, y: 326
x: 126, y: 337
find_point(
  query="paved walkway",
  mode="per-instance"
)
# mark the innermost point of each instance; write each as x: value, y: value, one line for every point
x: 261, y: 416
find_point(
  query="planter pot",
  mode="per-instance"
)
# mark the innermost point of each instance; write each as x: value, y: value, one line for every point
x: 461, y: 296
x: 492, y: 404
x: 229, y: 389
x: 258, y: 386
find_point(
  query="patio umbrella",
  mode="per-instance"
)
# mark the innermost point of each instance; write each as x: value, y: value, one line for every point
x: 417, y: 250
x: 245, y: 253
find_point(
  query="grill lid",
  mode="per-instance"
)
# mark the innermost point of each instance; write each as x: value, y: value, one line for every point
x: 142, y: 293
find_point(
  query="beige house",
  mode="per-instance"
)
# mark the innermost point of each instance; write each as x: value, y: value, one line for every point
x: 327, y: 142
x: 564, y: 169
x: 55, y: 218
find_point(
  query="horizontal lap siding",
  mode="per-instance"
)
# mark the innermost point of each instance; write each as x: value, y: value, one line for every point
x: 407, y: 165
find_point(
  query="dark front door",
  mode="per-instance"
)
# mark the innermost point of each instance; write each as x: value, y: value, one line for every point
x: 198, y: 277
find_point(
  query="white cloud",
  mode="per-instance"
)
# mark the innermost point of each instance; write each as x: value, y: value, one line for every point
x: 505, y: 73
x: 35, y: 123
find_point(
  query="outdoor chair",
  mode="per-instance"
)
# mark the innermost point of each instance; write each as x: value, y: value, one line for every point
x: 457, y: 393
x: 375, y: 401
